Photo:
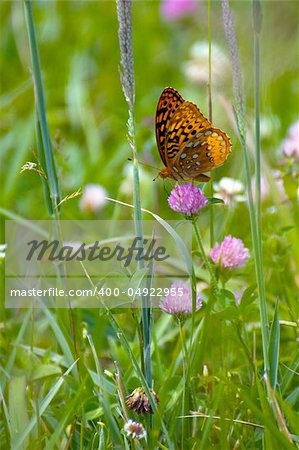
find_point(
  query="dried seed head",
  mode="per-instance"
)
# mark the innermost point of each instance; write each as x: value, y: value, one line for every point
x: 138, y: 401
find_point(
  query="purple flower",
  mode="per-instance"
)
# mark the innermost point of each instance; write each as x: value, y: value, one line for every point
x: 179, y: 300
x: 174, y: 9
x: 230, y: 254
x: 187, y: 199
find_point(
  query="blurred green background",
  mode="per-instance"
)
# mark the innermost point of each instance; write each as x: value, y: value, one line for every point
x: 87, y: 116
x: 86, y: 110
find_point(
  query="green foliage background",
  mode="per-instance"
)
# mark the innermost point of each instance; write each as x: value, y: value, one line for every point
x: 87, y: 116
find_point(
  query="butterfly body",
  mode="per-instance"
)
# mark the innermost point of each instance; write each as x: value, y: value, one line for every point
x: 188, y: 143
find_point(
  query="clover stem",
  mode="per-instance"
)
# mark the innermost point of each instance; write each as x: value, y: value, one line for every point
x: 204, y: 256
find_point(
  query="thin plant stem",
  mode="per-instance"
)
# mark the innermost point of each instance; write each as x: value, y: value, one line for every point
x: 124, y: 14
x: 258, y: 264
x: 237, y: 329
x: 120, y: 390
x: 204, y: 256
x: 125, y: 344
x: 257, y: 25
x: 239, y: 106
x: 257, y: 100
x: 254, y: 210
x: 184, y: 350
x: 210, y: 117
x: 206, y: 416
x: 212, y: 297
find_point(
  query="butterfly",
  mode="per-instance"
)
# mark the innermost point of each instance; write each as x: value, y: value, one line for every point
x: 188, y: 143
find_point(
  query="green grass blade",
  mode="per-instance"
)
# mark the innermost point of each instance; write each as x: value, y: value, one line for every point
x: 10, y: 363
x: 6, y: 421
x: 289, y: 374
x: 41, y: 109
x: 264, y: 414
x: 274, y: 342
x: 103, y: 396
x: 70, y: 409
x: 18, y: 409
x: 42, y: 162
x: 209, y: 422
x: 43, y: 405
x: 140, y: 375
x: 61, y: 339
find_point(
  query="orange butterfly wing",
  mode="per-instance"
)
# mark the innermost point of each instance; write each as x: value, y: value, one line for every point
x: 168, y: 103
x: 187, y: 141
x: 205, y: 151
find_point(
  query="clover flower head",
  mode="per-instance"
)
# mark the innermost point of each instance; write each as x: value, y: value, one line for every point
x: 230, y: 189
x: 93, y: 198
x: 134, y: 430
x: 230, y: 254
x: 179, y: 300
x: 175, y: 9
x: 196, y: 69
x: 187, y: 199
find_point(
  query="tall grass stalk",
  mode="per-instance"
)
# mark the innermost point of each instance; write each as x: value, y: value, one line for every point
x: 239, y: 107
x: 257, y: 26
x: 103, y: 395
x: 270, y: 370
x: 45, y: 151
x: 124, y: 14
x: 127, y: 348
x: 210, y: 117
x: 52, y: 194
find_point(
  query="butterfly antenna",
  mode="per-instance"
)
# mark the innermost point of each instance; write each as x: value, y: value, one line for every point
x: 148, y: 166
